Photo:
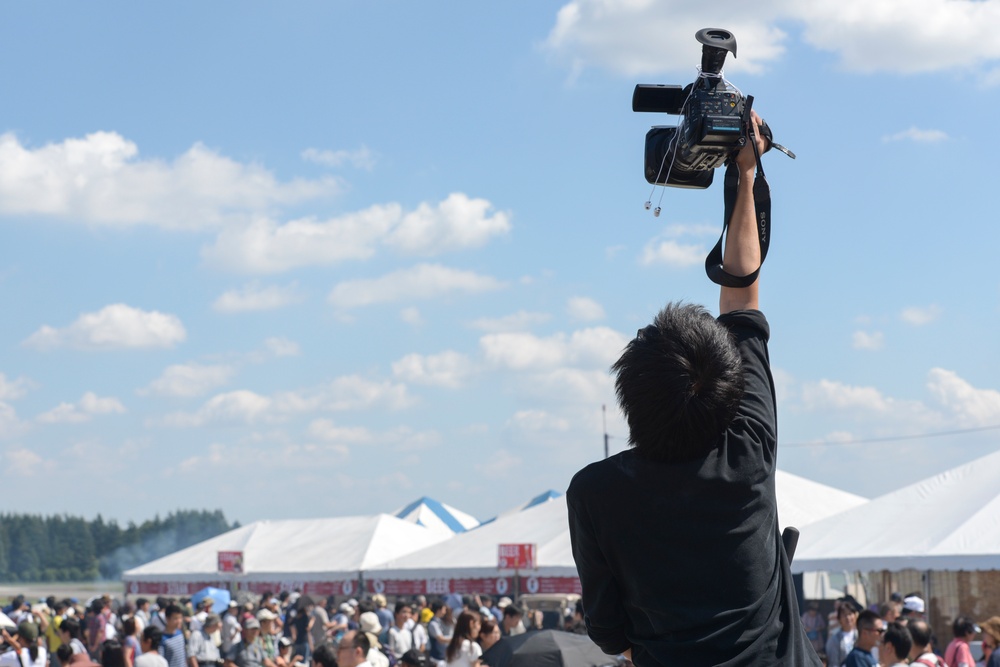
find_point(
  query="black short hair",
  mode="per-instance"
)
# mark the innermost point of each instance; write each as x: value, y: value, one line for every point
x: 920, y: 632
x: 362, y: 642
x: 64, y: 653
x: 401, y: 605
x: 866, y: 620
x: 897, y: 635
x: 679, y: 383
x: 512, y: 610
x: 70, y: 626
x: 436, y: 606
x: 152, y: 634
x: 366, y: 605
x: 962, y: 626
x: 172, y: 610
x: 325, y: 654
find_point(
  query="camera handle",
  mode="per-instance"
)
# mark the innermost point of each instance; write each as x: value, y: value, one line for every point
x: 762, y: 206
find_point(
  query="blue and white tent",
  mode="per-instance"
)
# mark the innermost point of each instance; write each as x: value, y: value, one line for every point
x: 437, y: 516
x: 540, y: 499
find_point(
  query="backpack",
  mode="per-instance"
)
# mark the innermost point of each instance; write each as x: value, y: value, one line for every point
x: 384, y: 650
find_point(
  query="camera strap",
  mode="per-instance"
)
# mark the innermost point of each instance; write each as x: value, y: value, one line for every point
x: 762, y: 207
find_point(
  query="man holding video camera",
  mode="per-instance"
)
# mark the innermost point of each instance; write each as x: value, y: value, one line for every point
x: 676, y: 540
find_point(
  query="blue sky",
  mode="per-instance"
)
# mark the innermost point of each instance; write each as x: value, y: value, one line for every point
x: 308, y: 259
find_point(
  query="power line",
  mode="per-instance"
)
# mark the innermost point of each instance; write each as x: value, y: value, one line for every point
x: 891, y: 438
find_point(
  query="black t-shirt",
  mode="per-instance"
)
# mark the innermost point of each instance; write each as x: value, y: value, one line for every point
x: 683, y: 562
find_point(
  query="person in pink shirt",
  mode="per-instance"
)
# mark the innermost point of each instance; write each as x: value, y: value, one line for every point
x: 958, y: 653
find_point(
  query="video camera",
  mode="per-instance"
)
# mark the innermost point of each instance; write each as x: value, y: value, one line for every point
x: 714, y: 115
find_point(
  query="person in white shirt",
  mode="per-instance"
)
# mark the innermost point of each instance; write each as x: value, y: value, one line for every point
x: 463, y: 651
x: 400, y: 637
x: 27, y: 652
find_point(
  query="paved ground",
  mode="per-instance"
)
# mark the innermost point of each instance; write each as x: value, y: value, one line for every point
x: 82, y: 590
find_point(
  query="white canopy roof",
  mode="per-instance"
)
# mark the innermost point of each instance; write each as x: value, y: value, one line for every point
x: 546, y: 524
x: 474, y: 554
x: 802, y: 501
x: 947, y: 522
x: 437, y: 516
x: 303, y: 549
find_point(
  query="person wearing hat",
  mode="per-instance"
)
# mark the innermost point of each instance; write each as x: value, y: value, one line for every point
x: 248, y: 652
x: 413, y: 658
x: 285, y: 657
x: 27, y: 652
x: 230, y: 627
x: 958, y: 653
x: 371, y: 628
x: 268, y: 635
x: 201, y: 650
x: 991, y: 640
x: 913, y: 607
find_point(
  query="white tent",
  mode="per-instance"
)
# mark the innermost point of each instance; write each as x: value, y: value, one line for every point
x: 947, y: 522
x: 802, y: 501
x: 468, y: 561
x: 437, y: 516
x: 321, y: 556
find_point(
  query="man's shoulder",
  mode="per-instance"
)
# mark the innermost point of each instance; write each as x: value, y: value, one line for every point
x: 150, y: 659
x: 596, y: 474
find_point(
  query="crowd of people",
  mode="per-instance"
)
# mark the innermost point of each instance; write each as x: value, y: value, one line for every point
x: 275, y: 630
x: 897, y: 634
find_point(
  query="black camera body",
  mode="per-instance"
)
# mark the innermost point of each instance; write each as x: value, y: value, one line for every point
x: 711, y: 129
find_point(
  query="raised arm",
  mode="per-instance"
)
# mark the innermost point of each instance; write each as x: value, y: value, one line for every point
x: 742, y: 253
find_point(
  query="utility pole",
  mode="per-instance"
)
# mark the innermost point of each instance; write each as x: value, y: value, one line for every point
x: 604, y: 415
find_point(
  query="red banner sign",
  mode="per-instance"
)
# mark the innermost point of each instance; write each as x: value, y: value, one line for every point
x: 231, y: 561
x: 516, y: 557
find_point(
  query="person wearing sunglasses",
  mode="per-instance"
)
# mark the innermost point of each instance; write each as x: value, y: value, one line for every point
x: 870, y: 631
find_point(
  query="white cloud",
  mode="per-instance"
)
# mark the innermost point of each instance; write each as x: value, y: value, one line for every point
x: 13, y: 389
x: 672, y: 253
x: 916, y: 134
x: 538, y: 420
x: 10, y: 424
x: 584, y: 309
x: 411, y: 316
x: 360, y: 158
x: 90, y: 404
x: 22, y: 461
x: 282, y: 347
x: 424, y: 281
x: 348, y: 393
x: 522, y: 320
x: 918, y: 316
x: 100, y: 180
x: 643, y: 37
x: 114, y: 326
x: 571, y: 385
x: 972, y: 407
x: 863, y: 340
x: 254, y: 297
x: 447, y: 369
x: 523, y: 351
x: 325, y: 429
x: 456, y: 223
x: 827, y: 394
x: 498, y: 464
x: 187, y: 380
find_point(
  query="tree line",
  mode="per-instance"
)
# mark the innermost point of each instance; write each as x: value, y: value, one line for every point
x: 70, y: 548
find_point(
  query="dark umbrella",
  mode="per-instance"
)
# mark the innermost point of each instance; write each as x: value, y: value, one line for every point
x: 548, y: 648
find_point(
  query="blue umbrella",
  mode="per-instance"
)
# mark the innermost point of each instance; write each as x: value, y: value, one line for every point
x: 220, y: 598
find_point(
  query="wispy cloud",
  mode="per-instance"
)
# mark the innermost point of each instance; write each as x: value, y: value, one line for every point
x: 917, y: 135
x: 360, y: 158
x: 113, y: 327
